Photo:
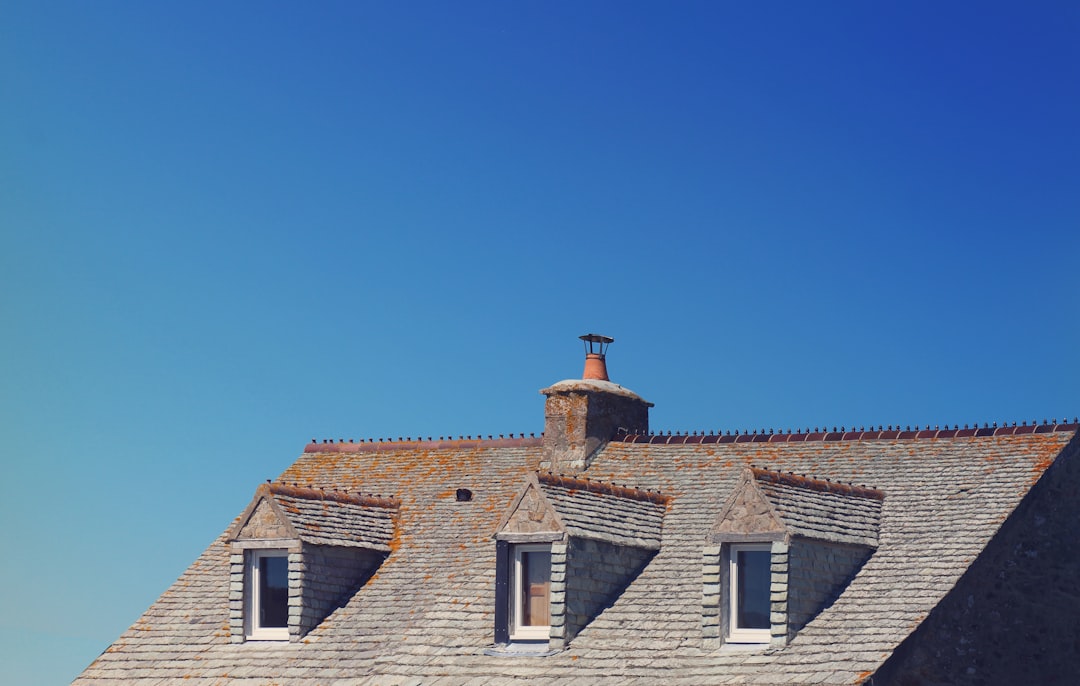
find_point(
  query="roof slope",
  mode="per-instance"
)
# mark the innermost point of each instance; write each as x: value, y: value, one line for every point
x: 428, y: 612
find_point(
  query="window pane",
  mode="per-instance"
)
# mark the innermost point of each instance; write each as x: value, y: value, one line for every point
x: 535, y: 588
x: 753, y: 590
x: 273, y: 592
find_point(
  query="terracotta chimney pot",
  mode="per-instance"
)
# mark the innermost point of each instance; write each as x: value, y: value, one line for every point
x: 595, y: 367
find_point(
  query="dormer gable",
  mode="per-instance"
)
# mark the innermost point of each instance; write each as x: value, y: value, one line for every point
x: 748, y: 514
x: 298, y: 553
x: 599, y: 537
x: 811, y: 535
x: 531, y: 516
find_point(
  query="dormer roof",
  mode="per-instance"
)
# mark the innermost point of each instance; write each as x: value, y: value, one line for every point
x: 585, y: 508
x: 768, y: 504
x: 318, y: 516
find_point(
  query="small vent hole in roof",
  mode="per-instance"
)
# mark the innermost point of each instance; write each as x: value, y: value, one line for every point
x: 464, y: 495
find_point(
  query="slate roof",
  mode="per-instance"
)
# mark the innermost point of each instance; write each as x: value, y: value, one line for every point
x: 606, y: 512
x: 336, y: 518
x: 821, y: 509
x: 427, y: 615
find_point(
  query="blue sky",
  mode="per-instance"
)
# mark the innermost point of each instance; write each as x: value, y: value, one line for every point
x: 227, y: 229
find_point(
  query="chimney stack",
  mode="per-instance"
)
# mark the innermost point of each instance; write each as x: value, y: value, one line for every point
x: 582, y: 415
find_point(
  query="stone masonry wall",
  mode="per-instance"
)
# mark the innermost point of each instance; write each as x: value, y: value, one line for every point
x: 237, y: 582
x: 1014, y: 616
x: 596, y: 573
x: 748, y: 514
x: 779, y: 594
x: 557, y: 637
x: 264, y: 523
x: 817, y: 573
x: 325, y: 577
x: 711, y: 596
x: 577, y: 425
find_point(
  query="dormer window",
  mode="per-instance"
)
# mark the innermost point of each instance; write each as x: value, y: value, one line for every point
x: 750, y: 578
x: 782, y: 548
x: 297, y: 554
x: 564, y: 550
x: 531, y: 592
x: 268, y: 595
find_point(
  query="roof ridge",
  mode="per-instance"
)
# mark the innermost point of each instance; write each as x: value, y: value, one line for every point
x: 442, y: 443
x: 813, y: 483
x: 844, y: 434
x: 311, y: 493
x: 581, y: 483
x: 890, y: 432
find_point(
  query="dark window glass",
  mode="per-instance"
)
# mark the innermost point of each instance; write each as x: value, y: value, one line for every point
x: 273, y: 592
x: 753, y: 590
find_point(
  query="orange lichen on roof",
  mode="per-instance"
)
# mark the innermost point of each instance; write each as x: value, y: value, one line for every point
x: 395, y: 542
x: 811, y: 483
x: 1044, y: 462
x: 404, y: 472
x: 602, y: 488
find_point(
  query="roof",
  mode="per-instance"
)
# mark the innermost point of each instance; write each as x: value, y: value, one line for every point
x: 427, y: 614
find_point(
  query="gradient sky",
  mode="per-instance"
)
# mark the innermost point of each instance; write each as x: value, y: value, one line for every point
x: 229, y: 228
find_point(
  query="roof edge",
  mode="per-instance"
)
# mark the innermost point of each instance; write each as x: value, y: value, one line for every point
x: 660, y: 438
x: 381, y: 445
x: 676, y: 438
x: 305, y: 493
x: 816, y: 484
x: 603, y: 488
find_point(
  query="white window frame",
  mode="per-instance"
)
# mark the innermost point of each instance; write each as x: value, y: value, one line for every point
x: 518, y: 632
x: 254, y: 631
x: 737, y: 634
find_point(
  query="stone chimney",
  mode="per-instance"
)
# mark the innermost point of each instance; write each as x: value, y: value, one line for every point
x: 582, y: 415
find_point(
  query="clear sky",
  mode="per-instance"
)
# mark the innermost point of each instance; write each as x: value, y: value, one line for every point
x: 229, y: 228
